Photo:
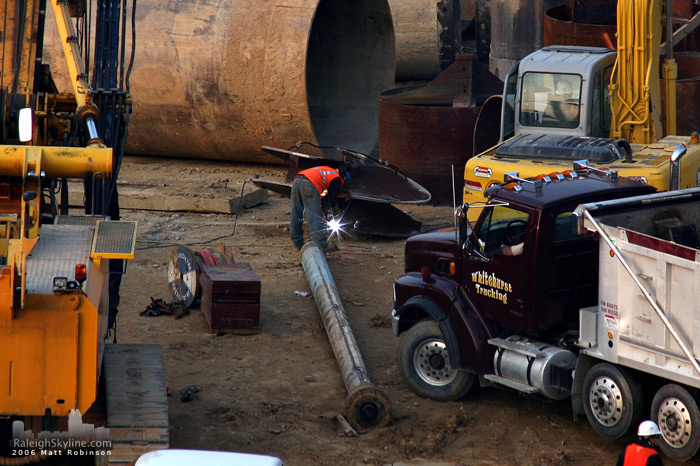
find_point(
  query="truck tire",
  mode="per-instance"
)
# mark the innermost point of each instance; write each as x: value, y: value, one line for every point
x: 675, y: 410
x: 425, y: 367
x: 613, y: 400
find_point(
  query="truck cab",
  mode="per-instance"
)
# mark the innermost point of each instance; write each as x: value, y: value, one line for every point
x: 482, y: 301
x: 556, y: 109
x: 559, y: 90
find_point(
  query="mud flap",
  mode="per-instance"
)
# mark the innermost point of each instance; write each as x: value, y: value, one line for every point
x: 583, y: 365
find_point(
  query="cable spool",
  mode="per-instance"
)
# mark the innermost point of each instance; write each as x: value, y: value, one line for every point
x: 185, y: 268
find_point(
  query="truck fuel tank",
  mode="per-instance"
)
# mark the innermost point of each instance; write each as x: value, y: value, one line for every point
x: 533, y: 367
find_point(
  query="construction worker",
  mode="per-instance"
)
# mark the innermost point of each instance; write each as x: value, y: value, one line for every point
x: 643, y: 452
x: 308, y: 187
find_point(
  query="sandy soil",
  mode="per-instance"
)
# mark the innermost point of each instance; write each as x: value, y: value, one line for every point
x: 278, y: 392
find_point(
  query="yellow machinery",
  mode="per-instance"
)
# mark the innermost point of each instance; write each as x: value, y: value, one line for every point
x: 609, y: 113
x: 56, y: 269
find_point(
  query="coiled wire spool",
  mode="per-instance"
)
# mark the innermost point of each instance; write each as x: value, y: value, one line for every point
x: 185, y: 268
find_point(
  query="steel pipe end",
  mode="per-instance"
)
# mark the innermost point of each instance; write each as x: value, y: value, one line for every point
x: 367, y: 406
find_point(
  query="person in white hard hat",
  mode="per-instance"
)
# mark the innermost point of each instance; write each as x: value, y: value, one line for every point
x: 643, y: 452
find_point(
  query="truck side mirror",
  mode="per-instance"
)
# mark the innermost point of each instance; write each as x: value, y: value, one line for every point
x: 25, y: 124
x: 461, y: 223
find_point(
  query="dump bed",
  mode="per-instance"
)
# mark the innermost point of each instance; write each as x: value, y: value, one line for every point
x: 648, y: 313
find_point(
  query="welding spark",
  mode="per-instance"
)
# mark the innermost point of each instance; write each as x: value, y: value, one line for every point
x: 335, y: 227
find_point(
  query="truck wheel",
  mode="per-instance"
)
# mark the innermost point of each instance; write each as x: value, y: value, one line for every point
x: 675, y: 410
x: 613, y: 400
x: 425, y: 367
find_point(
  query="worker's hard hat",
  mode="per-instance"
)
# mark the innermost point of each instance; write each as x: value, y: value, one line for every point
x: 648, y: 429
x: 345, y: 175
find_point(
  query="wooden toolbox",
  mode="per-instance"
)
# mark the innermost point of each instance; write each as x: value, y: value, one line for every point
x: 231, y: 298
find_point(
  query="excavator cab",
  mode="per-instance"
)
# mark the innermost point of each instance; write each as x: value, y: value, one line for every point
x: 552, y: 100
x: 558, y: 90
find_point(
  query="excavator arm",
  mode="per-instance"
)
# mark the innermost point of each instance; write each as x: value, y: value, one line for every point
x: 635, y: 85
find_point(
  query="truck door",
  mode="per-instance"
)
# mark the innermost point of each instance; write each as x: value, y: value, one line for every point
x: 495, y: 279
x: 567, y: 271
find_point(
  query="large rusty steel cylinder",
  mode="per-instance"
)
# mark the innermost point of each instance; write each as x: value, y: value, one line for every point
x: 220, y: 79
x: 688, y: 92
x: 591, y: 24
x: 366, y: 405
x: 516, y: 31
x: 428, y: 33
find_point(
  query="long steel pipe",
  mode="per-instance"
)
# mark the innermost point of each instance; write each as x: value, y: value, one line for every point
x: 366, y: 405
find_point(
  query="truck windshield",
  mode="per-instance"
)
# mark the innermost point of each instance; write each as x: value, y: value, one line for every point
x: 502, y: 227
x: 550, y: 99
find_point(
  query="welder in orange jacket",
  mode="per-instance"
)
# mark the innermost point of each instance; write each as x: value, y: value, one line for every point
x: 307, y: 189
x: 643, y: 452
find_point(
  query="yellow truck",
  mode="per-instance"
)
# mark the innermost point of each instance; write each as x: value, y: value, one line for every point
x: 565, y: 104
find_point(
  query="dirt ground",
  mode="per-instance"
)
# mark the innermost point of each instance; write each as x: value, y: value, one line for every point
x: 278, y: 392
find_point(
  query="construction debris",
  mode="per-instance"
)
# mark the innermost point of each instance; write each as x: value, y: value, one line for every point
x: 347, y: 428
x: 159, y: 307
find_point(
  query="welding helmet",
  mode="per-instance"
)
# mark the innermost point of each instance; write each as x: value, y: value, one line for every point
x: 648, y: 429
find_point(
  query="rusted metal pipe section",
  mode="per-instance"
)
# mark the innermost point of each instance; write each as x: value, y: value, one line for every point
x: 516, y: 31
x: 216, y: 80
x: 366, y: 405
x: 427, y: 130
x: 687, y: 86
x: 590, y: 23
x: 428, y: 35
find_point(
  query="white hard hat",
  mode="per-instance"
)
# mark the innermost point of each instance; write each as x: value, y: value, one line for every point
x: 647, y: 429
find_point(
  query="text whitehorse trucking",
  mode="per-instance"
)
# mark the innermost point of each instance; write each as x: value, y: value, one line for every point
x: 601, y: 305
x: 58, y: 272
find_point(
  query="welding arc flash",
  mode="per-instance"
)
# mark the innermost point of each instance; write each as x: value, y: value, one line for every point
x: 334, y: 225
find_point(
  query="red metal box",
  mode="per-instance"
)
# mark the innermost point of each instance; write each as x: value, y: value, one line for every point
x: 231, y: 298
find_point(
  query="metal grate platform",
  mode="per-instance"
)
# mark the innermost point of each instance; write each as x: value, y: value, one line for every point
x: 114, y: 240
x: 78, y: 219
x: 56, y: 254
x: 137, y: 402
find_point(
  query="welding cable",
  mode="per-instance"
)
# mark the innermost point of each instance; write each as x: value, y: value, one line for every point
x: 230, y: 235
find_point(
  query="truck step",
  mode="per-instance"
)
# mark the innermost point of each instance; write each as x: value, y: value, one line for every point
x: 521, y: 387
x: 526, y: 349
x: 137, y: 404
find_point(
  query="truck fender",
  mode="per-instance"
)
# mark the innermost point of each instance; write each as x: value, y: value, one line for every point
x: 415, y: 309
x: 583, y: 365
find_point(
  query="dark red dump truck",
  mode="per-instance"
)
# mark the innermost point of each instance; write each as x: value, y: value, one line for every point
x: 580, y: 285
